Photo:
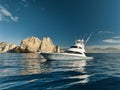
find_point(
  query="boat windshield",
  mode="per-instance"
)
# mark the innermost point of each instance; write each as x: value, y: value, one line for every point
x: 73, y: 47
x: 76, y: 47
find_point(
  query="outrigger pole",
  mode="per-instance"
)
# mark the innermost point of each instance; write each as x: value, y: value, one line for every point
x: 88, y: 38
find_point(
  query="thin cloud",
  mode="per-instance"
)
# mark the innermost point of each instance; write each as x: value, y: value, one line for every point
x: 105, y: 32
x: 112, y: 41
x: 15, y: 18
x: 5, y: 14
x: 117, y: 37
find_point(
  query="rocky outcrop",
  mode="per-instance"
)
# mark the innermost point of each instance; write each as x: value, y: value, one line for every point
x: 57, y: 48
x: 34, y: 44
x: 30, y: 44
x: 47, y: 45
x: 18, y: 49
x: 5, y: 47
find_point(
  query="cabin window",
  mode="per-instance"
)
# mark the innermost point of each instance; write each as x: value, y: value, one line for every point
x: 76, y: 47
x: 73, y: 47
x: 73, y: 52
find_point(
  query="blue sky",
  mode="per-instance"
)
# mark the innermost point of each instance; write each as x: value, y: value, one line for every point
x: 61, y: 20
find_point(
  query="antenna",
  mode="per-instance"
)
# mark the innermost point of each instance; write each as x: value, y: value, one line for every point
x: 88, y: 38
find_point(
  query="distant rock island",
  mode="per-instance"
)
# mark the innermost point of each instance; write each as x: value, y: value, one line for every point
x: 30, y: 45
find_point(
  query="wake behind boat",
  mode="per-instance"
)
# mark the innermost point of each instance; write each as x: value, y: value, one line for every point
x: 77, y: 51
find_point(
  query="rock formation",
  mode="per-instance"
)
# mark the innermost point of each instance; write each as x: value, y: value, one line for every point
x: 5, y: 47
x: 47, y: 45
x: 30, y: 45
x: 57, y: 48
x: 33, y: 45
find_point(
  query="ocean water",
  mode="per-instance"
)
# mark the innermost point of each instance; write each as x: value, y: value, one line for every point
x: 31, y: 72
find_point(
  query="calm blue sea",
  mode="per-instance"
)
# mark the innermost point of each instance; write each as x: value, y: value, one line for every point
x: 30, y: 72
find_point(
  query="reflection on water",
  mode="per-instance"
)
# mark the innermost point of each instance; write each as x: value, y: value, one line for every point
x: 30, y: 71
x: 80, y: 67
x: 21, y: 64
x: 31, y: 64
x: 69, y: 67
x: 28, y: 64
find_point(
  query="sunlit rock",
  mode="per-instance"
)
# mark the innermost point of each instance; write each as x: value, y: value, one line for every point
x: 30, y: 44
x: 47, y: 45
x: 5, y: 47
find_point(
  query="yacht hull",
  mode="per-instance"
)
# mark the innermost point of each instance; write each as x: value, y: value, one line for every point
x: 64, y: 56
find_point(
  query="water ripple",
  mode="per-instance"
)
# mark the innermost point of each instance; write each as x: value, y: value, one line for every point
x: 30, y: 71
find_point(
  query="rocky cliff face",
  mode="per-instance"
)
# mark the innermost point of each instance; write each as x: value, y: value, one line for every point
x: 5, y: 47
x: 33, y: 44
x: 30, y: 44
x: 47, y: 45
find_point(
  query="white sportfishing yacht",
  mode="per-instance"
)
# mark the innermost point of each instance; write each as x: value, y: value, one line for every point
x: 77, y: 51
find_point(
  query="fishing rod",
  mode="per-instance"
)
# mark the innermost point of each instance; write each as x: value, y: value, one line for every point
x: 88, y: 38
